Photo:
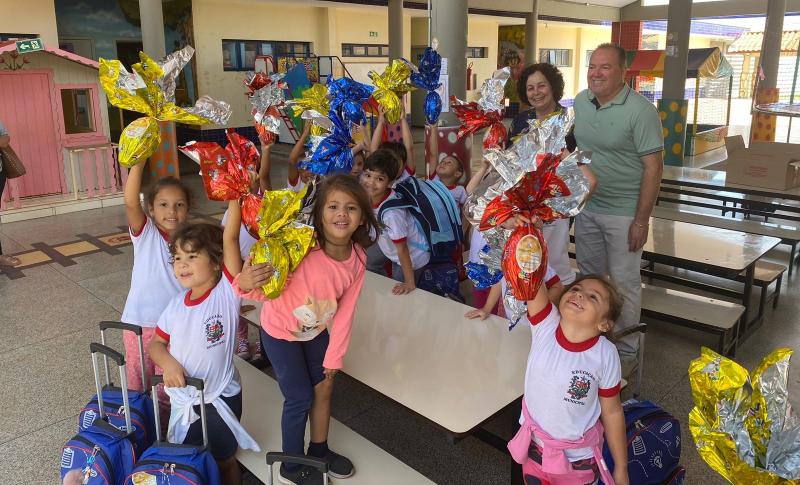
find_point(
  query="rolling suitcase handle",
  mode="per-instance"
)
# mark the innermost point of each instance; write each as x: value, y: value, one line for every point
x: 125, y: 327
x: 190, y: 381
x: 318, y: 463
x: 119, y: 359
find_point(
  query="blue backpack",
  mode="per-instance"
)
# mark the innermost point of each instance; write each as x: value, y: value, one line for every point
x: 435, y: 211
x: 177, y: 464
x: 654, y: 445
x: 102, y: 453
x: 141, y: 406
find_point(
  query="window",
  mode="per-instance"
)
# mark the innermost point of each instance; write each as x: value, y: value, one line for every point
x: 78, y: 111
x: 240, y: 55
x: 477, y: 52
x: 589, y: 55
x: 9, y: 36
x: 556, y: 57
x: 365, y: 50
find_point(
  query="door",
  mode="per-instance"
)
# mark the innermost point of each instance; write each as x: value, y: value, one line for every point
x: 26, y: 109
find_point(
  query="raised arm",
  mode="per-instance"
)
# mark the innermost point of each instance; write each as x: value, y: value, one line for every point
x: 133, y: 206
x: 477, y: 177
x: 231, y: 255
x: 408, y: 139
x: 377, y: 134
x: 297, y: 151
x: 433, y: 151
x: 263, y: 169
x: 539, y: 301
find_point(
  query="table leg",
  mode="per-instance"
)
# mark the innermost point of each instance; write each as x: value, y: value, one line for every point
x: 748, y: 291
x: 791, y: 258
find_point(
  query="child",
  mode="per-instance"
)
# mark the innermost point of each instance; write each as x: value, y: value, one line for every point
x: 298, y: 177
x: 402, y: 241
x: 359, y: 155
x: 306, y: 330
x: 572, y: 385
x: 551, y: 281
x: 264, y: 182
x: 403, y: 151
x: 199, y: 326
x: 448, y: 170
x: 153, y: 283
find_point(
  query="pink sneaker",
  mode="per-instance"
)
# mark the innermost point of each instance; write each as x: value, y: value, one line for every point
x: 243, y: 349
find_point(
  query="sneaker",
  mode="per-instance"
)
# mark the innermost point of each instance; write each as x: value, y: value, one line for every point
x: 243, y: 349
x: 305, y: 475
x: 339, y: 466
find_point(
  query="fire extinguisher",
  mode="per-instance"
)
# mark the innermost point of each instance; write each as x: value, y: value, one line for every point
x: 469, y: 76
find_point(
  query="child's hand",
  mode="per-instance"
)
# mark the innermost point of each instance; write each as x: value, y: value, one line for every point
x: 267, y: 140
x: 403, y: 288
x: 254, y: 276
x: 518, y: 220
x: 477, y: 313
x: 381, y: 113
x: 621, y: 476
x: 173, y: 375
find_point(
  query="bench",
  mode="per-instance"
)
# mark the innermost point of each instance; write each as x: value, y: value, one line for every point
x: 788, y: 234
x: 689, y: 310
x: 748, y: 205
x: 262, y: 406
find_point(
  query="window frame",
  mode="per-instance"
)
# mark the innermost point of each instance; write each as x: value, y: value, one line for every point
x: 279, y: 48
x: 348, y: 49
x: 558, y: 53
x: 483, y: 52
x: 81, y: 139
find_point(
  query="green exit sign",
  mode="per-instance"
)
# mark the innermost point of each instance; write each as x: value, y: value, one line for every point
x: 29, y: 45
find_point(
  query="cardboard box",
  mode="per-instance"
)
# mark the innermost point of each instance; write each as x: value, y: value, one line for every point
x: 764, y: 164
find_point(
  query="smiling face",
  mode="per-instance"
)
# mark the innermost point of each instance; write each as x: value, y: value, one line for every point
x: 169, y: 208
x: 376, y: 183
x: 587, y: 303
x: 341, y: 216
x: 194, y: 269
x: 605, y: 74
x: 540, y: 93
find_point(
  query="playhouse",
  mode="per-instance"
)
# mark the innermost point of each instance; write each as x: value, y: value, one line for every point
x: 56, y: 113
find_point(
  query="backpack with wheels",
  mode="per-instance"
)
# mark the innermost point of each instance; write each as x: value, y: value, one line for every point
x: 173, y: 463
x: 139, y: 402
x: 102, y: 453
x: 654, y: 445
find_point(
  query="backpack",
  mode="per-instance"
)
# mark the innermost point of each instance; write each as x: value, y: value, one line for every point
x: 435, y: 211
x: 103, y: 453
x: 177, y: 464
x: 654, y: 445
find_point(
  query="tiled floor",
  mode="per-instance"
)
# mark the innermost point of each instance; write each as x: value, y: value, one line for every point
x: 49, y: 316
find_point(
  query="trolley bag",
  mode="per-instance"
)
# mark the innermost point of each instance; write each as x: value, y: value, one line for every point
x: 173, y: 463
x: 103, y: 453
x: 319, y: 464
x: 141, y: 405
x: 654, y: 445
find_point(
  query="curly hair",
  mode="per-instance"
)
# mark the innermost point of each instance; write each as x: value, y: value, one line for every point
x: 615, y: 301
x: 199, y: 237
x: 550, y: 72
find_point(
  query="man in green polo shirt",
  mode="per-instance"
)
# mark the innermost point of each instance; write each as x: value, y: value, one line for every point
x: 622, y: 129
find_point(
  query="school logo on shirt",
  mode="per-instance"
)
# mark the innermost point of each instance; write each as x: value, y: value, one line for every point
x: 214, y: 330
x: 578, y: 389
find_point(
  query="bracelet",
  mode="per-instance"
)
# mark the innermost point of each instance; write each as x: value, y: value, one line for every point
x: 640, y: 225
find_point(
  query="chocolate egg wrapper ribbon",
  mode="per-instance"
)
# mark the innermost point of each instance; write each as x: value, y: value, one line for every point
x: 333, y: 153
x: 742, y: 424
x: 283, y: 242
x: 426, y: 76
x: 255, y: 81
x: 348, y: 96
x: 390, y: 86
x: 138, y: 141
x: 474, y: 119
x: 150, y: 90
x: 492, y: 91
x: 313, y: 104
x: 265, y: 102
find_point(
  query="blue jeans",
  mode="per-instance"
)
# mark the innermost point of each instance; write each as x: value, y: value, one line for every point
x: 298, y: 367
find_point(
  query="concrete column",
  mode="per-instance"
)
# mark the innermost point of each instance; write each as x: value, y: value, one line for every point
x: 164, y: 161
x: 673, y: 105
x: 531, y: 29
x: 396, y: 29
x: 449, y: 27
x: 763, y: 126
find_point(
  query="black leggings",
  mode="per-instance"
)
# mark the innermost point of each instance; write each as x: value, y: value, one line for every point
x: 2, y: 186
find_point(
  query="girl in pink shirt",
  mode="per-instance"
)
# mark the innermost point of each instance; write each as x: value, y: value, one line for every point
x: 306, y: 330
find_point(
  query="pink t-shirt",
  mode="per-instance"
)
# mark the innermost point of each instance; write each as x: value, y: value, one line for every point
x: 311, y: 303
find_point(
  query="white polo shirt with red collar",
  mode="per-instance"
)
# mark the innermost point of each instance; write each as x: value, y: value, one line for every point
x: 400, y: 226
x: 565, y: 380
